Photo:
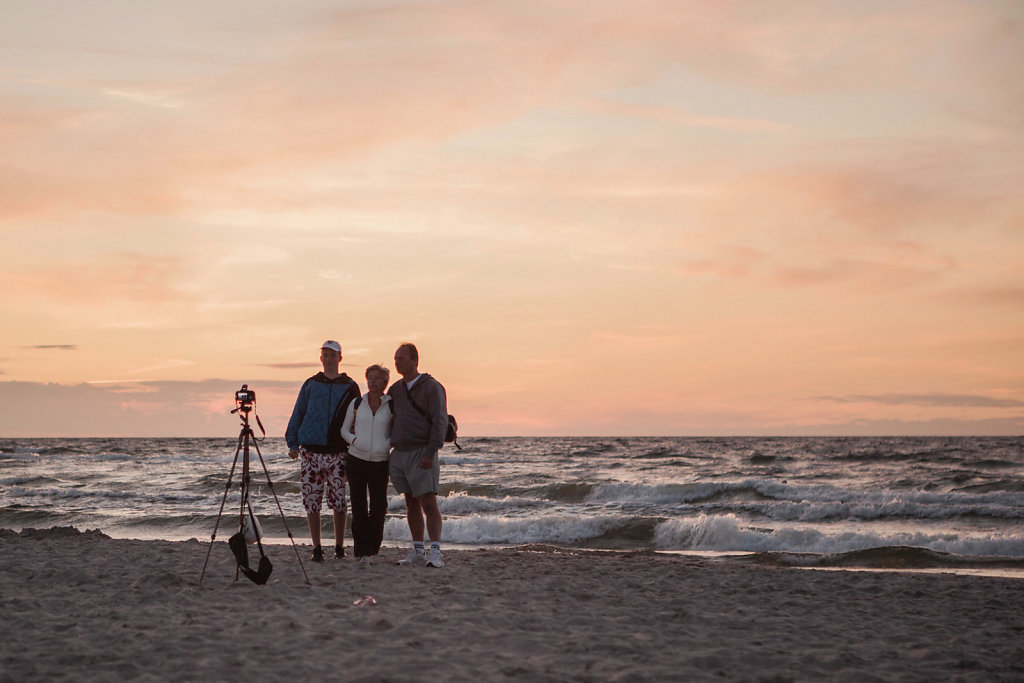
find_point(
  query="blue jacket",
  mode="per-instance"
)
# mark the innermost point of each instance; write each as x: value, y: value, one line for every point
x: 318, y: 413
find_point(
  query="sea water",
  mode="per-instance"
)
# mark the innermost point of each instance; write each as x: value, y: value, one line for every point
x: 882, y: 502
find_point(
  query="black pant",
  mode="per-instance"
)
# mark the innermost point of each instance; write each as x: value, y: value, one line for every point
x: 367, y: 521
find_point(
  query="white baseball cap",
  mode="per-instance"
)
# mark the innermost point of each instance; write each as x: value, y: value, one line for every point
x: 331, y: 344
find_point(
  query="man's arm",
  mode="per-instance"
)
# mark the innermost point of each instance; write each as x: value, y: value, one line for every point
x: 291, y: 433
x: 437, y: 409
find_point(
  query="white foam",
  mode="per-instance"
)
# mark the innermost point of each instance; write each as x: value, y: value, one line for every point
x: 563, y: 528
x: 839, y: 510
x: 728, y: 533
x: 782, y: 501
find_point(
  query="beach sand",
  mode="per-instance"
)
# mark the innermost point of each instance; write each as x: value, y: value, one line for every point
x: 80, y: 605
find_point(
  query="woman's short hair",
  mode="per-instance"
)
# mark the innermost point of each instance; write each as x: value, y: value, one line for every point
x: 377, y: 367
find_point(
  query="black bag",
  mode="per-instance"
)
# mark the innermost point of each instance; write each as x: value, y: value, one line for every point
x: 336, y: 444
x: 452, y: 433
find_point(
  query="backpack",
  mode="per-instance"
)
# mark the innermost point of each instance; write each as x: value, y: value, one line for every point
x: 334, y: 428
x: 451, y: 434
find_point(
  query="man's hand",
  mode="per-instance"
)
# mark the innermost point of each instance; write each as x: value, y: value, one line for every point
x: 426, y: 462
x: 293, y: 453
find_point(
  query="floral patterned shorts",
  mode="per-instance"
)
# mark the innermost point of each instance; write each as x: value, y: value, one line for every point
x: 319, y: 471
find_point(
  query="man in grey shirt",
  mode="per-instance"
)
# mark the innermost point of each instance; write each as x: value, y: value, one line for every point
x: 421, y: 420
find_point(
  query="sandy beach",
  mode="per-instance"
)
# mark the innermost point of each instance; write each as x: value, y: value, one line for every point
x: 83, y: 606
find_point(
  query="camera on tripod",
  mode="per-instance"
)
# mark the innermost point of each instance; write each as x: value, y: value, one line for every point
x: 245, y: 398
x: 249, y: 530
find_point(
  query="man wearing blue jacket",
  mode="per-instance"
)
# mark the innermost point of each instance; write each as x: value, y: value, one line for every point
x: 314, y: 434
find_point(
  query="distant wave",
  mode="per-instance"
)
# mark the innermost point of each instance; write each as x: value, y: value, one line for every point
x: 1016, y: 485
x: 662, y: 493
x: 993, y: 464
x: 18, y: 518
x: 576, y: 492
x: 593, y: 449
x: 60, y: 450
x: 662, y: 452
x: 57, y: 494
x: 729, y: 533
x: 462, y: 503
x: 28, y: 481
x: 52, y: 532
x: 782, y: 501
x: 566, y: 493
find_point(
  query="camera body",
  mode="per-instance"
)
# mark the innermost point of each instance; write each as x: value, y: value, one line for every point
x: 245, y: 397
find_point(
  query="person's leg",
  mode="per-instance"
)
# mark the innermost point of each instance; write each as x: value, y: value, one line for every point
x: 377, y: 483
x: 356, y: 472
x: 337, y: 500
x: 428, y: 503
x: 414, y: 516
x: 399, y: 470
x: 340, y: 518
x: 427, y: 481
x: 425, y: 485
x: 313, y: 520
x: 312, y: 493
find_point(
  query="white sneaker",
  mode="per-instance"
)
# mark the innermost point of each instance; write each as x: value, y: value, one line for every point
x: 435, y: 560
x: 365, y: 560
x: 412, y: 558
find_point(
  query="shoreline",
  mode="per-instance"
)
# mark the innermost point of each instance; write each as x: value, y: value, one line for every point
x: 85, y: 605
x: 1000, y: 567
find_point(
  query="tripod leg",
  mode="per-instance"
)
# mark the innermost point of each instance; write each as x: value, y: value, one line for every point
x: 227, y: 487
x: 270, y: 485
x: 244, y: 488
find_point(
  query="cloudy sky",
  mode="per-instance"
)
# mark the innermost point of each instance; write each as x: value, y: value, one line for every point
x: 644, y: 217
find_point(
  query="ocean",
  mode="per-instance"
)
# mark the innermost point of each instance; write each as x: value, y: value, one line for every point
x: 818, y: 502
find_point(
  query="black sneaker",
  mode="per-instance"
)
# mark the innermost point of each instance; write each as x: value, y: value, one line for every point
x: 318, y: 554
x: 339, y: 552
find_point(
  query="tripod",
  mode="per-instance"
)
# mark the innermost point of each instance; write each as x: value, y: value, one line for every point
x: 244, y: 400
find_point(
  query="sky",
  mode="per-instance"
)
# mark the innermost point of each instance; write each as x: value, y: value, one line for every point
x: 621, y: 218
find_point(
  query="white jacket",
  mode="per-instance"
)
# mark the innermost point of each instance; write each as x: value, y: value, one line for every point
x: 370, y: 437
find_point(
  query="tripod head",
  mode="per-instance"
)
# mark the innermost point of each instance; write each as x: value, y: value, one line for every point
x: 245, y: 400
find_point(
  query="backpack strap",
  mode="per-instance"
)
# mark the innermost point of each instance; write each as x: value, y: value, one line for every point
x: 339, y: 412
x: 416, y: 405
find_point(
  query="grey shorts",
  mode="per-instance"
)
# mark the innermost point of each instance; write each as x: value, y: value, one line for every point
x: 408, y: 477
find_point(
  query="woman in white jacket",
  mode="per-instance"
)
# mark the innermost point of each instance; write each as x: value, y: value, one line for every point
x: 367, y: 429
